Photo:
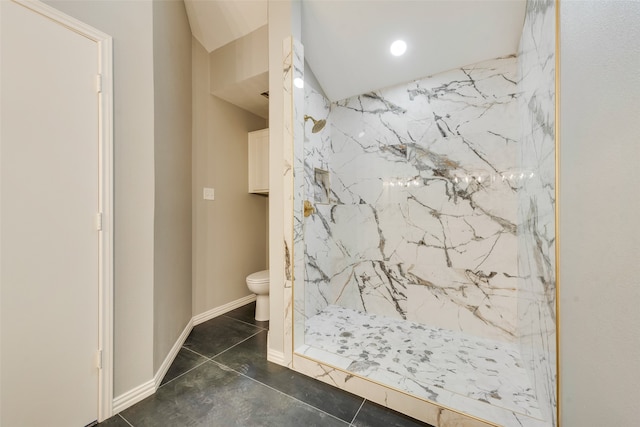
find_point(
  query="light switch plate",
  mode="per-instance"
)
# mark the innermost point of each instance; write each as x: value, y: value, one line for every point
x: 208, y: 193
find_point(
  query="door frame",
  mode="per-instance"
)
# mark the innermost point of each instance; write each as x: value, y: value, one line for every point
x: 104, y: 87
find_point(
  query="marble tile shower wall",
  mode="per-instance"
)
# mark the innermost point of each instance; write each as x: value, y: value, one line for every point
x: 420, y: 219
x: 536, y: 201
x: 318, y: 249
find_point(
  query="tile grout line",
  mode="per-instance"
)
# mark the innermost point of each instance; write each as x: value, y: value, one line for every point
x: 225, y: 367
x: 207, y: 359
x: 194, y: 352
x: 222, y: 365
x: 279, y: 391
x: 357, y: 412
x: 236, y: 344
x: 186, y: 372
x: 246, y: 323
x: 125, y: 420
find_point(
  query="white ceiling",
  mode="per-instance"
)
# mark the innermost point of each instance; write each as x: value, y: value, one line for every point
x: 214, y: 23
x: 347, y: 42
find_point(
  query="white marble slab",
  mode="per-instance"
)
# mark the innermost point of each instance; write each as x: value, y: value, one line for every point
x: 536, y: 201
x: 293, y: 68
x: 419, y: 203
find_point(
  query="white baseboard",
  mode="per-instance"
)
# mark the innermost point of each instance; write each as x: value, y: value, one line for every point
x: 136, y: 394
x: 162, y: 371
x: 145, y: 390
x: 133, y: 396
x: 215, y: 312
x: 274, y: 355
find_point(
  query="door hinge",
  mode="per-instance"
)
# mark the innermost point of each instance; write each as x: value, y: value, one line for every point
x: 99, y: 83
x: 99, y: 359
x: 99, y: 221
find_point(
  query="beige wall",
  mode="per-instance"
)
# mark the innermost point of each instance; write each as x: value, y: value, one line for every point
x: 130, y: 24
x: 239, y: 72
x: 229, y: 232
x: 172, y: 221
x: 239, y: 60
x: 152, y: 185
x: 152, y: 83
x: 599, y: 236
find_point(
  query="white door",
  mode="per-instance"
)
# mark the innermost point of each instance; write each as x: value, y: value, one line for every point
x: 49, y: 195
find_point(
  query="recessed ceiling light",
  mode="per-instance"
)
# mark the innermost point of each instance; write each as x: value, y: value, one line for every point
x: 298, y: 82
x: 398, y: 48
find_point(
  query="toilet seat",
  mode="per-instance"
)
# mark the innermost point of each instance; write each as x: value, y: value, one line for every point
x: 259, y: 277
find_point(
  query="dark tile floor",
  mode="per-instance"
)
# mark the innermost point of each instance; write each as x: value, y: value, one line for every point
x: 221, y: 377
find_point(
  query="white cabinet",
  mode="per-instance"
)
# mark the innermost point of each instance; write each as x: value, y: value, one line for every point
x: 259, y: 161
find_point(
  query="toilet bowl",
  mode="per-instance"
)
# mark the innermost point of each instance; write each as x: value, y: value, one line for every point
x: 258, y: 283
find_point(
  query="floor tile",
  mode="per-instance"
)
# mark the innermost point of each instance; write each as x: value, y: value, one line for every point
x: 218, y: 334
x: 239, y: 387
x: 374, y: 415
x: 249, y: 358
x: 115, y: 421
x: 212, y: 396
x: 184, y: 362
x: 247, y: 314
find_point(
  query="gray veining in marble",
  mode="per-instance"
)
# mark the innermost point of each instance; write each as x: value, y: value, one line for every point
x: 421, y: 223
x: 536, y: 201
x: 433, y: 360
x: 440, y: 212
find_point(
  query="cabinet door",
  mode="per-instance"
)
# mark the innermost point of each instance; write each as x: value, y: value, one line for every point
x: 259, y: 161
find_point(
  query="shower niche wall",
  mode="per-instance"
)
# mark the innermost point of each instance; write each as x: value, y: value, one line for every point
x: 423, y: 243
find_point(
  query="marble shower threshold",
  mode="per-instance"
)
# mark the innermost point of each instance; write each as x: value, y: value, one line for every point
x: 481, y: 377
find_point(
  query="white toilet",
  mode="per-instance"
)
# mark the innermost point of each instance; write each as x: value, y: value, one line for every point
x: 258, y: 283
